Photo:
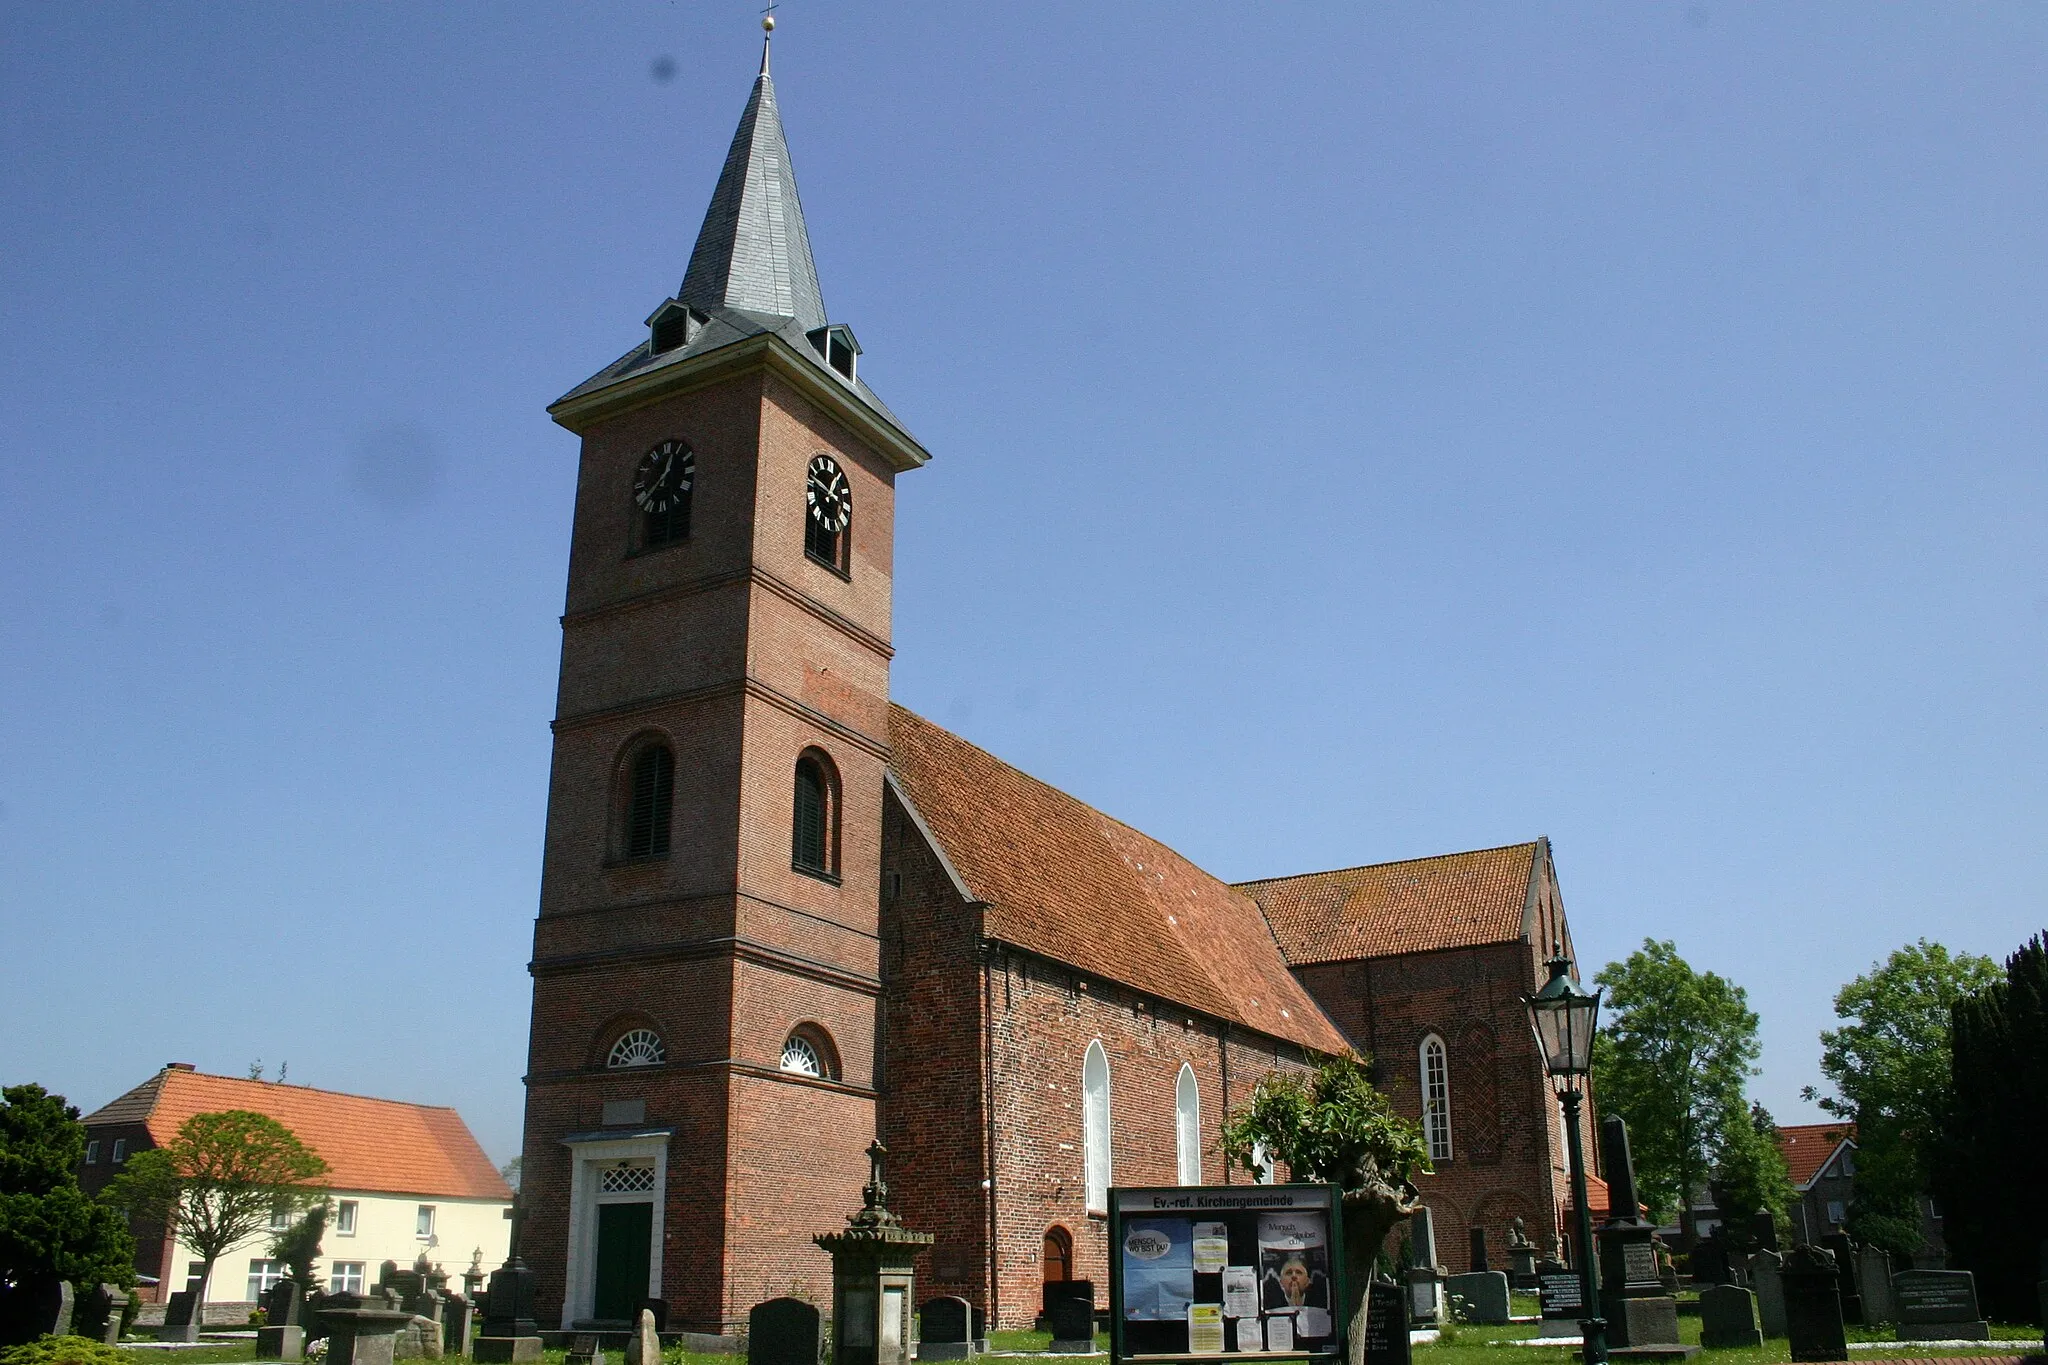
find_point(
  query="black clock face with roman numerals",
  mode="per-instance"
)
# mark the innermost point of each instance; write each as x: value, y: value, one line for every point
x: 664, y: 477
x: 829, y: 496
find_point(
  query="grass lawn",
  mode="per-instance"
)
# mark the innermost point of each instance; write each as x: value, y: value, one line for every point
x: 1492, y: 1346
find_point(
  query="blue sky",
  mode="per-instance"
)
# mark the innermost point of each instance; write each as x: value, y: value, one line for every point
x: 1361, y: 432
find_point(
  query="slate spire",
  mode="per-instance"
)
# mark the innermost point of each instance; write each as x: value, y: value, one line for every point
x: 753, y: 251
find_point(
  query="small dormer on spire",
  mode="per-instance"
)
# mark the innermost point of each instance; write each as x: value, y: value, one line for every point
x: 836, y: 347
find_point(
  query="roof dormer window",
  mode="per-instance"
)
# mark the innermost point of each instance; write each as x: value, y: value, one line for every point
x: 836, y: 345
x: 673, y: 326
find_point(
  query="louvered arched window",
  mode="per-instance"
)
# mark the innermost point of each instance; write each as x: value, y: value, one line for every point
x: 1436, y: 1098
x: 650, y: 796
x: 1187, y: 1126
x: 1095, y: 1127
x: 814, y: 832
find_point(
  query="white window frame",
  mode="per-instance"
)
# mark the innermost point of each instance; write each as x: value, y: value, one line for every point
x: 1096, y: 1128
x: 346, y: 1277
x: 1187, y: 1126
x: 345, y: 1218
x: 92, y: 1153
x: 423, y: 1223
x: 120, y: 1150
x: 280, y: 1216
x: 263, y: 1273
x: 1435, y: 1059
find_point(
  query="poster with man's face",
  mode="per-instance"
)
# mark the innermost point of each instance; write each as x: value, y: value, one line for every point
x: 1294, y: 1271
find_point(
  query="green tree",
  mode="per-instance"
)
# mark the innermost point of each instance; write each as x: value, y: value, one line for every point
x: 1673, y: 1058
x: 48, y: 1226
x: 298, y: 1246
x: 1334, y: 1126
x: 1889, y: 1064
x: 1750, y: 1178
x: 1987, y: 1167
x: 220, y: 1179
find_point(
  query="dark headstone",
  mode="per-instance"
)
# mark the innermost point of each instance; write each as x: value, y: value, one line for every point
x: 1938, y: 1305
x: 1619, y: 1169
x: 783, y: 1332
x: 1813, y: 1305
x: 509, y: 1333
x: 282, y: 1302
x: 1844, y: 1252
x: 1064, y: 1289
x: 98, y: 1314
x: 1422, y: 1235
x: 1485, y: 1293
x: 39, y: 1306
x: 582, y: 1350
x: 1561, y: 1293
x: 1710, y: 1263
x: 458, y: 1325
x: 281, y: 1343
x: 979, y: 1328
x: 1478, y: 1241
x: 1386, y: 1324
x: 1425, y: 1296
x: 947, y: 1326
x: 1767, y: 1276
x: 1763, y: 1231
x: 1072, y: 1321
x: 1728, y: 1318
x: 181, y: 1317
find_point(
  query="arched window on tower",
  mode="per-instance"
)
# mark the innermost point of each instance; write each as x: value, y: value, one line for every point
x: 1436, y: 1098
x: 1095, y: 1127
x: 1187, y: 1126
x: 650, y: 796
x: 814, y: 826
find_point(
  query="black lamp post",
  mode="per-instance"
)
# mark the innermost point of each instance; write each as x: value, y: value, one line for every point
x: 1563, y: 1015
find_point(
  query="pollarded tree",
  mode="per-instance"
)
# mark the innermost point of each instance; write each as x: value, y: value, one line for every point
x: 1334, y: 1126
x: 1673, y: 1058
x: 1889, y: 1063
x: 48, y: 1227
x: 219, y: 1180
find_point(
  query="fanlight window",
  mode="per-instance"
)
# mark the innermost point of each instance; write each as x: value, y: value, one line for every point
x: 800, y: 1055
x: 1436, y: 1098
x: 626, y: 1179
x: 638, y: 1047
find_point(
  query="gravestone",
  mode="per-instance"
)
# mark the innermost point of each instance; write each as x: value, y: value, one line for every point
x: 181, y: 1317
x: 1477, y: 1237
x: 1386, y: 1324
x: 1874, y: 1279
x: 282, y: 1337
x: 783, y: 1332
x: 1710, y: 1262
x: 1562, y: 1294
x: 1072, y: 1321
x: 1485, y: 1293
x: 1521, y: 1257
x: 947, y: 1329
x: 510, y: 1335
x: 1937, y: 1305
x: 98, y: 1314
x: 458, y: 1324
x: 363, y: 1336
x: 1063, y: 1289
x: 644, y: 1346
x: 1766, y: 1275
x: 418, y: 1339
x: 1728, y: 1318
x: 1763, y: 1231
x: 979, y: 1329
x: 1638, y: 1312
x: 1813, y: 1305
x: 584, y: 1349
x: 40, y: 1306
x: 1425, y: 1296
x: 1422, y: 1234
x: 658, y: 1307
x: 1844, y: 1252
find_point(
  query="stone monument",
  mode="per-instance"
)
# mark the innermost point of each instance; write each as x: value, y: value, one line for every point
x: 1639, y: 1313
x: 363, y: 1336
x: 1728, y: 1318
x: 510, y: 1335
x: 784, y: 1332
x: 1765, y: 1274
x: 283, y: 1336
x: 1813, y: 1305
x: 644, y: 1346
x: 98, y: 1315
x: 181, y: 1317
x: 872, y: 1277
x: 1562, y: 1296
x: 945, y: 1329
x: 1071, y: 1319
x: 1521, y: 1257
x: 1874, y: 1284
x: 1425, y: 1288
x: 1386, y: 1324
x: 1844, y: 1251
x: 458, y: 1325
x: 1939, y: 1305
x: 1485, y: 1293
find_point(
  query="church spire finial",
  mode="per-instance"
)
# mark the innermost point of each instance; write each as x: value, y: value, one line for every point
x: 767, y: 33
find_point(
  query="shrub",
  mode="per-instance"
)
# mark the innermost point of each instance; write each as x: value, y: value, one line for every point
x: 61, y: 1351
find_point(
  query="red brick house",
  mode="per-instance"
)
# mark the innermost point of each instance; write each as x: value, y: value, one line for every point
x: 780, y: 915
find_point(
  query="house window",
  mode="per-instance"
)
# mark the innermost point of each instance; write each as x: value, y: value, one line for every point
x: 92, y: 1154
x: 1095, y: 1126
x: 263, y: 1275
x: 1836, y: 1213
x: 280, y: 1216
x: 1436, y: 1098
x: 1187, y: 1126
x: 423, y: 1222
x: 1262, y: 1164
x: 637, y: 1047
x: 345, y: 1277
x: 120, y: 1150
x: 808, y: 1052
x: 814, y: 830
x: 649, y: 798
x: 345, y: 1218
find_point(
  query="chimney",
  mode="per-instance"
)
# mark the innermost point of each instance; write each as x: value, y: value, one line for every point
x: 179, y: 1066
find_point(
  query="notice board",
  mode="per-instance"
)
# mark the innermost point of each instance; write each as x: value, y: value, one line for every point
x: 1201, y: 1270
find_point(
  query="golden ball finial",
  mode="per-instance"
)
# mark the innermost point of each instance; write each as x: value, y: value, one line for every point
x: 768, y: 23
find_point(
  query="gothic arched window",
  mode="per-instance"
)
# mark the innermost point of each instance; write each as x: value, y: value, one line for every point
x: 1187, y: 1126
x: 1436, y: 1098
x: 1095, y: 1126
x: 814, y: 827
x: 637, y: 1047
x: 650, y: 796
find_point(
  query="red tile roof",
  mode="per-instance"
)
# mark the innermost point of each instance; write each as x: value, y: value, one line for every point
x: 1807, y: 1147
x: 377, y: 1146
x: 1069, y: 883
x: 1455, y: 900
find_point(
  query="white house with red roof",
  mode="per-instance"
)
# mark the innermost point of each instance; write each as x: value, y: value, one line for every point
x: 405, y: 1180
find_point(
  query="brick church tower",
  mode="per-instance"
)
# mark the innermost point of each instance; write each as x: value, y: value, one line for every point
x: 702, y: 1067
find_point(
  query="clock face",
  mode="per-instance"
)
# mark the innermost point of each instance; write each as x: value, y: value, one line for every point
x: 829, y: 496
x: 664, y: 477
